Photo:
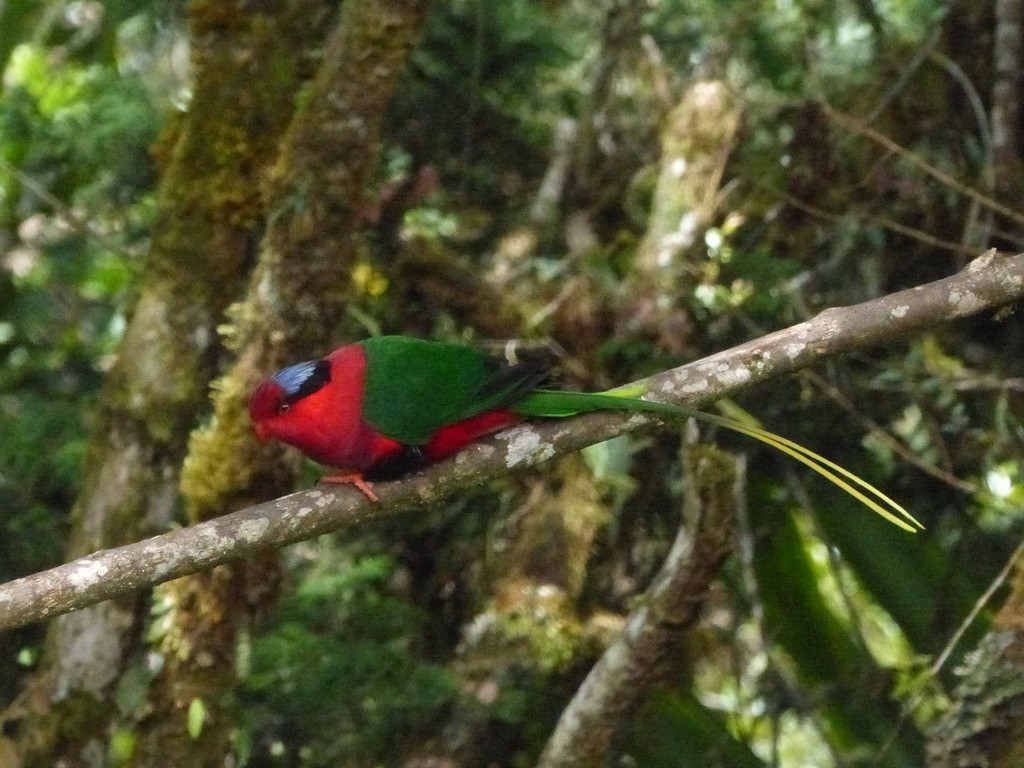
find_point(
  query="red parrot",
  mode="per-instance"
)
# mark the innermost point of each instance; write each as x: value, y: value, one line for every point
x: 389, y: 404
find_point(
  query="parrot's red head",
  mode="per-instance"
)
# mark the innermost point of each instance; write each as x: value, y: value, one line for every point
x: 271, y: 403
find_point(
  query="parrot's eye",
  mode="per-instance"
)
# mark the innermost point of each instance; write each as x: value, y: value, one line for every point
x: 283, y: 407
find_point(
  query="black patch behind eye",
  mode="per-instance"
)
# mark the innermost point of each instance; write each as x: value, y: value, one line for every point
x: 302, y: 379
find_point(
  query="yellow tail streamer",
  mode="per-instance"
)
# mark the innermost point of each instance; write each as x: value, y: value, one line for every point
x: 557, y: 404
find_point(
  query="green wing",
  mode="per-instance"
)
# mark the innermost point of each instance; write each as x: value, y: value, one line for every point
x: 415, y: 387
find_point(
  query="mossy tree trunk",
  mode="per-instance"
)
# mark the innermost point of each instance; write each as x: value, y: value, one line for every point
x: 697, y: 138
x: 295, y: 306
x: 209, y: 209
x: 985, y: 724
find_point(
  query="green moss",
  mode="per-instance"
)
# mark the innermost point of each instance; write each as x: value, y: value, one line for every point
x: 547, y: 631
x: 122, y: 746
x: 990, y: 698
x: 74, y: 721
x: 218, y: 464
x: 338, y: 678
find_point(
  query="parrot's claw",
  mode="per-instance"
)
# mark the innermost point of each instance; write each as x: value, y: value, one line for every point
x: 353, y: 479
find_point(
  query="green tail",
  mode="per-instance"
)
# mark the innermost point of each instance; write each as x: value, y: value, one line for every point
x: 555, y: 404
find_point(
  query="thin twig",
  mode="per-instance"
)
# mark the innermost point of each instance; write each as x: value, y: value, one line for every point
x: 984, y: 134
x: 856, y: 126
x: 76, y: 222
x: 979, y: 605
x: 884, y: 222
x: 900, y: 82
x: 883, y: 435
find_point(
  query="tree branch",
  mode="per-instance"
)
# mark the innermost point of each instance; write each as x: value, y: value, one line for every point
x: 669, y: 608
x: 986, y: 283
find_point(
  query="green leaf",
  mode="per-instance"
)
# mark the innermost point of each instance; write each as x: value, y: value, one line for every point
x: 196, y: 717
x: 122, y: 746
x: 676, y: 729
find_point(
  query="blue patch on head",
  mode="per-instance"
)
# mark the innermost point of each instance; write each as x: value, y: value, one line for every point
x: 303, y: 379
x: 293, y: 377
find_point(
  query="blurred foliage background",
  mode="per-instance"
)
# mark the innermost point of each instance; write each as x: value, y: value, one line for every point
x: 546, y: 174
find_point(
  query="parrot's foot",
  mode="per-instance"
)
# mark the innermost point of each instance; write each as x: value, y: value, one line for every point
x: 355, y: 479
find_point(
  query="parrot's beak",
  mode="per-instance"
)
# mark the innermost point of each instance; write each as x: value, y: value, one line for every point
x: 262, y: 432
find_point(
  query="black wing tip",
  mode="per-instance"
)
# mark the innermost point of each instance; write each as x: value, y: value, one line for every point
x: 514, y: 380
x: 408, y: 459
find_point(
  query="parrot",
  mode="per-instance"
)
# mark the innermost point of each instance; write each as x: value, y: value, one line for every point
x: 379, y: 408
